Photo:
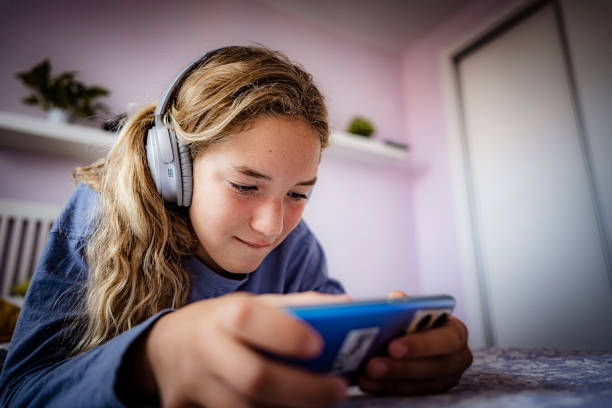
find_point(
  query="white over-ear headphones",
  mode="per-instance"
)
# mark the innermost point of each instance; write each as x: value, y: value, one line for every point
x: 169, y: 160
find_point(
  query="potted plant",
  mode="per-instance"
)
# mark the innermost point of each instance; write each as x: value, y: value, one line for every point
x: 62, y: 93
x: 361, y: 126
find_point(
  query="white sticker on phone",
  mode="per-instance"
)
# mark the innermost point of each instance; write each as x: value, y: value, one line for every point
x: 354, y: 348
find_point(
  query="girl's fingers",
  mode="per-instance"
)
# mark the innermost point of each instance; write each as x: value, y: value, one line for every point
x: 449, y: 338
x: 384, y: 368
x: 264, y: 381
x: 261, y: 322
x: 420, y: 363
x: 210, y: 344
x: 303, y: 298
x: 396, y: 294
x: 267, y: 327
x: 299, y: 388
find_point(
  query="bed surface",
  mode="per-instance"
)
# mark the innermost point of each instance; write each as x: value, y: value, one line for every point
x: 515, y: 378
x: 518, y: 378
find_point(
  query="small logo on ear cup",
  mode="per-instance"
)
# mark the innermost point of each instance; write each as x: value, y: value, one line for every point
x: 171, y: 172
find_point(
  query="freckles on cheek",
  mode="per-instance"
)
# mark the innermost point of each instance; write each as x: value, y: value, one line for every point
x: 233, y: 207
x: 208, y: 207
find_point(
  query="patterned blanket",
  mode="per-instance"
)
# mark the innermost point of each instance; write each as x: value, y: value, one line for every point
x: 514, y: 378
x: 518, y: 378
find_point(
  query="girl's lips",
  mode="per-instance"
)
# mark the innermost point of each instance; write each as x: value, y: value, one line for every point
x: 254, y: 244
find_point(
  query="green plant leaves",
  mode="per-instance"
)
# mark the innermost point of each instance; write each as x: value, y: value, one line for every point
x: 30, y: 100
x: 38, y: 76
x: 63, y: 91
x: 37, y: 79
x: 361, y: 126
x: 95, y: 91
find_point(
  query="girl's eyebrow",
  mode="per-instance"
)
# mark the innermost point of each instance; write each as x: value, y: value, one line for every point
x: 252, y: 173
x: 255, y: 174
x: 307, y: 183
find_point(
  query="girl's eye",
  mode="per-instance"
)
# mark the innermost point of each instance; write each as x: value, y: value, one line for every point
x: 243, y: 189
x: 298, y: 196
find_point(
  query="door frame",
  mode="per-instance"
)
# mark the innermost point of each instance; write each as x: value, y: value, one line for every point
x: 473, y: 274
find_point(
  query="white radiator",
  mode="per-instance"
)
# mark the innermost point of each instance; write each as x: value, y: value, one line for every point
x: 24, y: 227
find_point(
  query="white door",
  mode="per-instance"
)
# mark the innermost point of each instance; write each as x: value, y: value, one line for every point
x: 589, y: 32
x: 542, y: 251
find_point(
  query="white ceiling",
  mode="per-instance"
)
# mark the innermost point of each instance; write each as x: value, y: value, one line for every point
x: 389, y: 24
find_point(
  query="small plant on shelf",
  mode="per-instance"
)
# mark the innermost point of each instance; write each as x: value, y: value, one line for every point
x: 361, y: 126
x: 61, y: 92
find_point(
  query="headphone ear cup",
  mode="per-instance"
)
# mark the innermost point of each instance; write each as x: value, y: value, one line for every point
x: 176, y: 180
x: 153, y: 157
x: 163, y: 158
x: 186, y: 173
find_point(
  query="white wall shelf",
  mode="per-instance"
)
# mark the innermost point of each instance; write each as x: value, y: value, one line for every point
x: 29, y: 133
x: 361, y: 149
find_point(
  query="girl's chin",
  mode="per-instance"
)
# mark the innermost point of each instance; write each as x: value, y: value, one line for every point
x: 242, y: 269
x: 247, y: 264
x: 251, y: 258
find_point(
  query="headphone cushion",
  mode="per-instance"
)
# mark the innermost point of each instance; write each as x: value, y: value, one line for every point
x: 186, y: 173
x: 152, y: 157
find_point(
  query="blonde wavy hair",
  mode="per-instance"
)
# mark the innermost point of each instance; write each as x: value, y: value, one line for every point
x: 135, y: 248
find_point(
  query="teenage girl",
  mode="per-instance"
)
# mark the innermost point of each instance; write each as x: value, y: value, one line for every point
x: 172, y: 260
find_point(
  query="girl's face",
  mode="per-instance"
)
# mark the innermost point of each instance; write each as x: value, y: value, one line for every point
x: 249, y: 191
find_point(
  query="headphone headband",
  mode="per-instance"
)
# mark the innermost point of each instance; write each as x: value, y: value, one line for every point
x: 167, y: 95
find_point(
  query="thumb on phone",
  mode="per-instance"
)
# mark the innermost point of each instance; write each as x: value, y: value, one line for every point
x: 396, y: 294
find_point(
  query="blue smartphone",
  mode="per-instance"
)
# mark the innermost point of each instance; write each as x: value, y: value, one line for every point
x: 353, y: 332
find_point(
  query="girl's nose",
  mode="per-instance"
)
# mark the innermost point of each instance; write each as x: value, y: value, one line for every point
x: 268, y: 219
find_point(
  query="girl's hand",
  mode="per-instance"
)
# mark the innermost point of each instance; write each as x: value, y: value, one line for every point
x: 203, y: 354
x: 420, y: 363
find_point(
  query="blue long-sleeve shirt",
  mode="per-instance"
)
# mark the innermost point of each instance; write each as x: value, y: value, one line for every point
x: 38, y: 370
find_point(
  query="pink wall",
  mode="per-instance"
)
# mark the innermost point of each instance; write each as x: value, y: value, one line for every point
x: 29, y: 176
x: 437, y: 245
x: 362, y: 214
x: 382, y: 229
x: 134, y: 47
x: 376, y: 243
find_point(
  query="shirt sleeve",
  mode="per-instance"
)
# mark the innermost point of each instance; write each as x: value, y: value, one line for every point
x: 39, y: 369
